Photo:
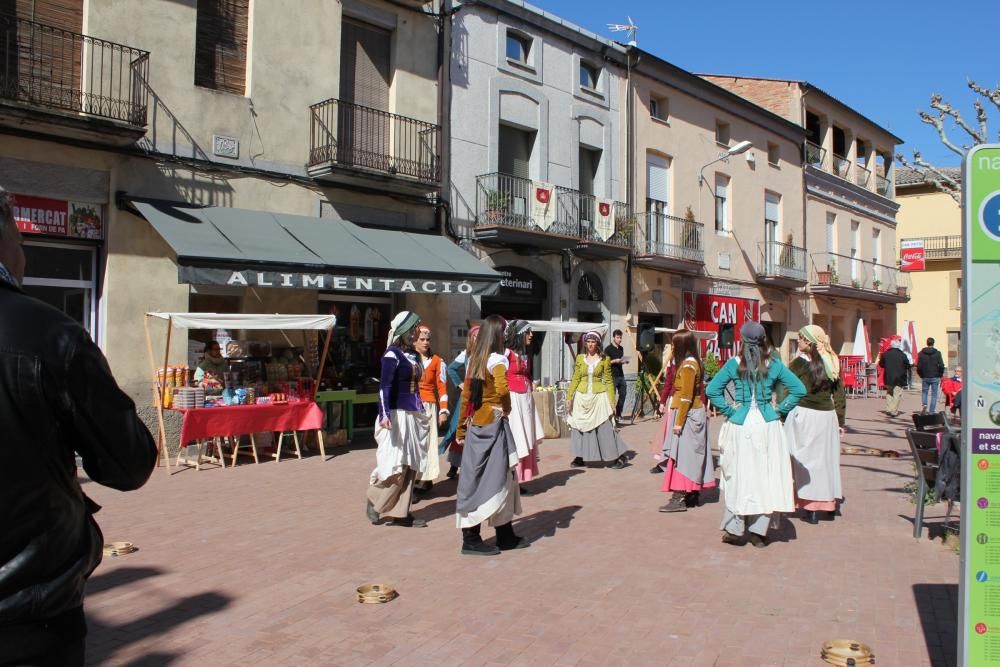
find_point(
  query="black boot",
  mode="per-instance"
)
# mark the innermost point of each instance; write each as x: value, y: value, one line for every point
x: 525, y: 491
x: 452, y: 472
x: 692, y: 498
x: 577, y: 462
x: 759, y: 541
x: 473, y: 545
x: 677, y: 503
x: 507, y: 539
x: 619, y: 463
x: 811, y: 518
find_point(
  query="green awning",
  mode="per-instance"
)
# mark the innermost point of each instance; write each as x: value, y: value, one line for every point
x: 231, y: 246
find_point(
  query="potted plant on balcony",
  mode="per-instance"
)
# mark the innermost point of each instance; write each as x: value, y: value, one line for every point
x: 828, y: 277
x: 497, y: 204
x: 689, y: 234
x: 855, y: 283
x: 900, y: 290
x: 876, y: 284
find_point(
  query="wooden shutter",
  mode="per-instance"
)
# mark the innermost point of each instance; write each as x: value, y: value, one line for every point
x: 220, y: 60
x: 364, y: 65
x: 41, y: 64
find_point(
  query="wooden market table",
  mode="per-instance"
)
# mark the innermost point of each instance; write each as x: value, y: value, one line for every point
x: 209, y: 426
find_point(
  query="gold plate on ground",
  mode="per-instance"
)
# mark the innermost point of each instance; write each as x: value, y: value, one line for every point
x: 376, y: 593
x: 119, y: 548
x: 847, y: 653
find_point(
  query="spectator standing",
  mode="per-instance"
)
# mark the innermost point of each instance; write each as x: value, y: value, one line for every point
x: 896, y: 365
x: 616, y: 357
x: 57, y: 399
x: 930, y: 368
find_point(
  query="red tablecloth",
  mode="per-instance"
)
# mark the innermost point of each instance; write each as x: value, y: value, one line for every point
x: 201, y: 423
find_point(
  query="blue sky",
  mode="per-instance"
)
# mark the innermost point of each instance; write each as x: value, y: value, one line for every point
x: 882, y: 57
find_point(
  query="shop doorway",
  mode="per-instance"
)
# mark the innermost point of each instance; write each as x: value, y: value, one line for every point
x: 65, y: 277
x: 523, y: 295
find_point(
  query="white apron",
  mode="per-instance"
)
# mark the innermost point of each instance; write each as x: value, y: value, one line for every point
x: 432, y: 461
x: 814, y: 442
x: 402, y: 446
x: 756, y: 470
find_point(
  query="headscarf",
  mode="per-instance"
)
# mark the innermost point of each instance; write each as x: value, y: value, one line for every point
x: 752, y: 334
x: 815, y: 335
x: 402, y: 323
x: 515, y: 329
x: 593, y: 335
x: 896, y: 343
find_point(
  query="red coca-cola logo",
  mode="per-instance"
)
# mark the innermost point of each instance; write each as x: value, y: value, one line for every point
x: 913, y: 256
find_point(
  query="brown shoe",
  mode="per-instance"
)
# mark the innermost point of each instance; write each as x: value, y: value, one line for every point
x: 676, y: 503
x: 729, y: 538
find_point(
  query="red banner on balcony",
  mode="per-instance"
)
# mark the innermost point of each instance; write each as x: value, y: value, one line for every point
x: 711, y: 312
x: 604, y: 222
x: 912, y: 255
x: 543, y: 204
x: 55, y: 217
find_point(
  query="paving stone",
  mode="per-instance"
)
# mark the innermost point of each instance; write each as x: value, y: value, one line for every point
x: 259, y: 564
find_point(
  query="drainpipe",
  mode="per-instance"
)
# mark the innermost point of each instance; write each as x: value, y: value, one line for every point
x: 442, y: 201
x: 805, y: 221
x: 629, y: 173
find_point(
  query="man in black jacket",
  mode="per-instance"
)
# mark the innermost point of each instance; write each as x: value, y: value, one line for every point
x: 930, y: 368
x: 57, y: 397
x: 895, y: 365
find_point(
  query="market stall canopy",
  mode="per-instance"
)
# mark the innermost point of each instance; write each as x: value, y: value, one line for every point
x: 568, y: 327
x: 246, y: 248
x: 247, y: 321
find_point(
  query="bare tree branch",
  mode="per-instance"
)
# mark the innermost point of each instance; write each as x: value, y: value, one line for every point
x: 938, y: 123
x: 932, y: 175
x: 946, y: 109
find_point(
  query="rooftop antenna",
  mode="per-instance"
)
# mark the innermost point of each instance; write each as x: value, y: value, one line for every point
x: 630, y: 29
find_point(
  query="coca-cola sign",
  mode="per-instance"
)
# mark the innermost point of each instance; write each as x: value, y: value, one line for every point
x: 911, y: 255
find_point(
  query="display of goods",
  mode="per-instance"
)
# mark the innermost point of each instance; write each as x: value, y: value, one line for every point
x: 278, y: 397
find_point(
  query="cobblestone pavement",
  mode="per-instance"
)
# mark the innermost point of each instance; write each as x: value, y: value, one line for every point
x: 258, y: 565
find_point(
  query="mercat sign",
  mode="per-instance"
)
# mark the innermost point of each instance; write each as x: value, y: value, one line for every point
x: 334, y: 282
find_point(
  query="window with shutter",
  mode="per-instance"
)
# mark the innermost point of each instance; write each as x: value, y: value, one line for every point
x: 831, y: 237
x: 515, y: 151
x: 657, y: 178
x: 41, y: 65
x: 220, y: 59
x: 364, y: 65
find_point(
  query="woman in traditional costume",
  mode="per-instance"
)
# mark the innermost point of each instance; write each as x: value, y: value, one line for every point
x: 689, y: 458
x: 525, y: 423
x: 456, y: 376
x: 434, y: 396
x: 756, y: 468
x: 401, y: 430
x: 814, y: 427
x: 591, y: 403
x: 487, y: 488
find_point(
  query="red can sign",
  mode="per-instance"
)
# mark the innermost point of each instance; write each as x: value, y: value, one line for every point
x: 56, y: 217
x: 708, y: 312
x: 912, y: 256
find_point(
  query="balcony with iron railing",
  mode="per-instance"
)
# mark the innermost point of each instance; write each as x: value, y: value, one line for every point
x: 347, y: 141
x: 66, y: 83
x: 842, y: 167
x: 781, y: 264
x: 592, y: 226
x: 840, y: 275
x: 815, y: 155
x: 666, y: 242
x: 940, y: 247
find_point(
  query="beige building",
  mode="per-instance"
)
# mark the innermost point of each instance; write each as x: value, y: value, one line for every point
x: 719, y: 231
x: 230, y: 157
x: 850, y: 208
x: 934, y: 220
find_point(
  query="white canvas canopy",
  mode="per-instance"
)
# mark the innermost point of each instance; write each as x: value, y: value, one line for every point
x: 861, y: 347
x: 566, y: 326
x: 247, y: 321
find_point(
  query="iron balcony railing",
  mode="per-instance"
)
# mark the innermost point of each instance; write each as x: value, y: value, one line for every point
x: 669, y: 236
x: 51, y: 68
x: 862, y: 176
x: 940, y: 247
x: 815, y: 155
x: 575, y: 207
x: 883, y: 186
x: 841, y: 166
x: 352, y: 135
x: 829, y: 269
x: 502, y: 199
x: 782, y: 260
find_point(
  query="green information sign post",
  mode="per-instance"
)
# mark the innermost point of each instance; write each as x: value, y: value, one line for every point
x: 979, y: 587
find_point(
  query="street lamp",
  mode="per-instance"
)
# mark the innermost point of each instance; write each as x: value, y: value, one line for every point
x: 741, y: 147
x: 724, y: 156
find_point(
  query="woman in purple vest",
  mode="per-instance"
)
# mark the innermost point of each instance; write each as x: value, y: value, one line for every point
x: 401, y: 431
